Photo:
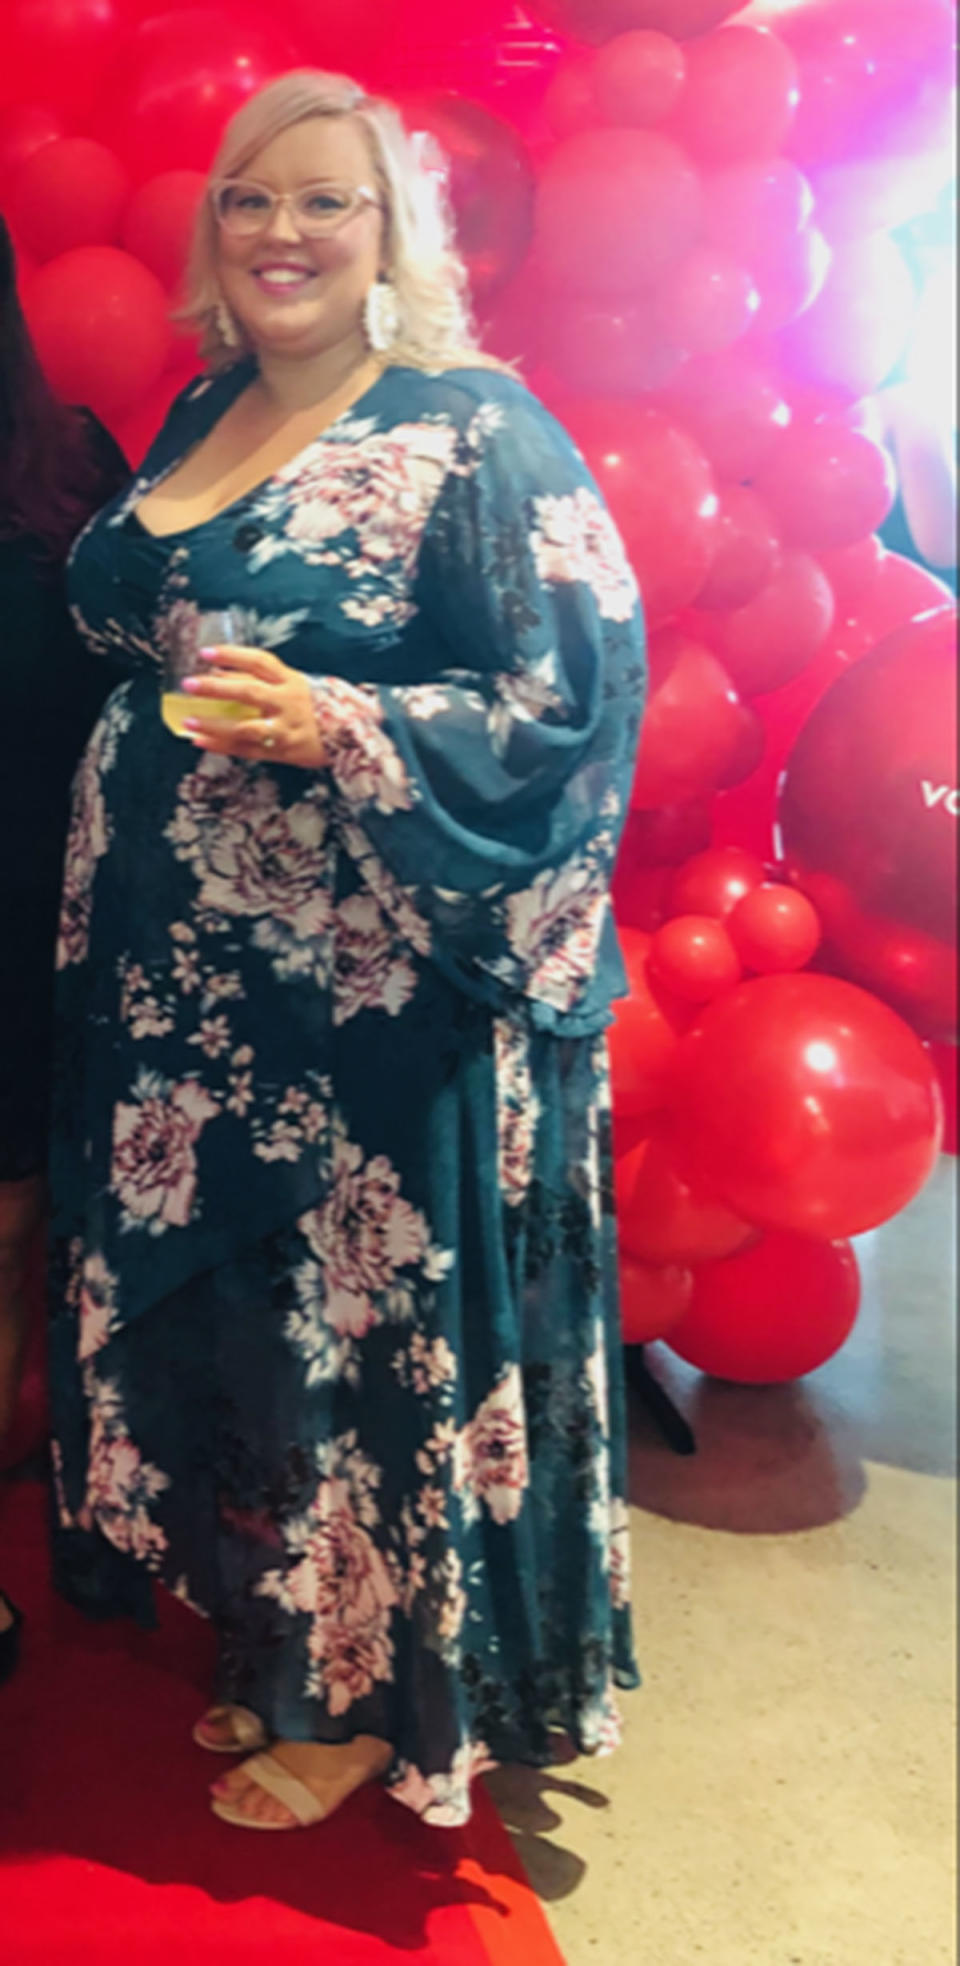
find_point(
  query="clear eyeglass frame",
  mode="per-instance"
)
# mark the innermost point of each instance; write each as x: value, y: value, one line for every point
x: 246, y: 222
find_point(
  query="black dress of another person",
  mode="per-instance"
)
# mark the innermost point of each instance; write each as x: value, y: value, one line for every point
x: 51, y: 691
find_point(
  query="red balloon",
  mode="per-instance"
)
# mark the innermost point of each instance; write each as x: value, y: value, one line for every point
x: 55, y: 51
x: 177, y: 79
x: 739, y: 97
x: 643, y: 1036
x: 639, y: 77
x: 613, y: 348
x: 99, y: 321
x: 652, y: 1298
x: 747, y: 551
x: 691, y: 729
x: 639, y: 895
x: 713, y: 882
x: 901, y: 591
x: 857, y: 328
x: 771, y: 1313
x: 734, y: 407
x: 805, y: 1104
x: 693, y: 956
x: 770, y: 640
x: 663, y: 1220
x: 869, y: 74
x: 665, y: 836
x: 570, y: 102
x: 790, y: 274
x: 853, y: 571
x: 661, y: 492
x: 70, y: 192
x: 751, y: 208
x: 827, y: 486
x: 490, y: 184
x: 750, y: 748
x: 774, y: 929
x: 868, y: 814
x: 614, y: 207
x: 343, y: 37
x: 706, y: 302
x: 24, y: 128
x: 159, y: 220
x: 598, y: 20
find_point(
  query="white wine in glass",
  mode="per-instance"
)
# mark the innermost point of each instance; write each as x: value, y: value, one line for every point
x: 184, y: 636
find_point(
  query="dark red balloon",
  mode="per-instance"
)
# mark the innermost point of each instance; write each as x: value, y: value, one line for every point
x: 491, y: 185
x: 805, y: 1104
x: 665, y: 836
x: 663, y: 1220
x: 772, y: 639
x: 693, y: 956
x: 661, y: 492
x: 613, y: 208
x: 868, y: 814
x: 692, y: 726
x: 739, y: 97
x: 774, y: 929
x: 176, y: 80
x: 770, y: 1313
x: 747, y: 550
x: 599, y: 20
x: 713, y: 882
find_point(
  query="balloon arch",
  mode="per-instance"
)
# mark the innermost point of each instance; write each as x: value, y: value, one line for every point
x: 678, y: 216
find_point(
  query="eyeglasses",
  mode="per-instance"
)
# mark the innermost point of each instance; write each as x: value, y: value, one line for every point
x: 244, y: 208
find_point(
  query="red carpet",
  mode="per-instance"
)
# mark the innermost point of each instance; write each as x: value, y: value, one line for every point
x: 109, y: 1854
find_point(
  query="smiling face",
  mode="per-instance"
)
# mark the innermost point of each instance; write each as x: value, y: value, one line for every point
x: 295, y: 296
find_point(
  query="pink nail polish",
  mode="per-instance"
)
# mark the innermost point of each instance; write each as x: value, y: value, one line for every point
x: 208, y: 655
x: 191, y: 723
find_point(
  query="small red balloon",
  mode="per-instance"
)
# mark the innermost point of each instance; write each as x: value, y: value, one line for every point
x: 805, y: 1104
x: 713, y: 882
x: 771, y: 1313
x: 774, y: 929
x: 663, y: 1219
x: 694, y: 957
x: 70, y: 192
x: 614, y: 207
x: 827, y: 486
x: 639, y: 77
x: 773, y: 638
x: 691, y: 728
x: 747, y: 551
x: 159, y: 220
x: 653, y: 1298
x: 570, y: 102
x: 739, y: 97
x: 643, y: 1036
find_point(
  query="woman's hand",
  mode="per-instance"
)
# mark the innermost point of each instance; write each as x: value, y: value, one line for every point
x: 283, y: 726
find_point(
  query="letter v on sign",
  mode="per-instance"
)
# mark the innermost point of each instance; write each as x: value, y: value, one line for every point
x: 934, y: 795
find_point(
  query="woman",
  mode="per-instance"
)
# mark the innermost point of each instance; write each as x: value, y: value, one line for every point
x: 337, y: 1351
x: 56, y: 466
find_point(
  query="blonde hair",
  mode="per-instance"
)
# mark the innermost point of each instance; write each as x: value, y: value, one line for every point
x: 421, y: 262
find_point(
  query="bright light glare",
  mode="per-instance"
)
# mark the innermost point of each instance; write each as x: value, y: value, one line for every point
x: 820, y: 1057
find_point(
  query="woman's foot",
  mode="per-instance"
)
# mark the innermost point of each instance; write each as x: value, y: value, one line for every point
x: 332, y: 1774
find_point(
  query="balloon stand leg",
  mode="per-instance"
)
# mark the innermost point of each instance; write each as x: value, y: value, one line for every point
x: 669, y: 1420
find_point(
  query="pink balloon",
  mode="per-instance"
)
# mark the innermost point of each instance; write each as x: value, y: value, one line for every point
x: 749, y: 209
x: 790, y: 274
x: 734, y: 406
x: 570, y: 103
x: 69, y: 192
x: 613, y: 348
x: 614, y: 207
x: 638, y: 77
x: 739, y: 97
x: 706, y: 302
x: 856, y: 330
x: 747, y: 551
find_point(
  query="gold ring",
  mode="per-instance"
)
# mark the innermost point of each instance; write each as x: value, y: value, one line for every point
x: 268, y: 743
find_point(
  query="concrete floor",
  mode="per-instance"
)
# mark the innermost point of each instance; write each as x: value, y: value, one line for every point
x: 785, y: 1796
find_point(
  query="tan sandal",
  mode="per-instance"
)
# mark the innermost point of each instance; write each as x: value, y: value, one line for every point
x: 246, y: 1731
x: 270, y: 1774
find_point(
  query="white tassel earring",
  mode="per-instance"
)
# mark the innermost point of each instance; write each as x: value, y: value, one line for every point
x: 226, y: 326
x: 381, y: 316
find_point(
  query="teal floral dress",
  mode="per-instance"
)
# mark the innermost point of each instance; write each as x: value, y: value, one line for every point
x: 335, y: 1333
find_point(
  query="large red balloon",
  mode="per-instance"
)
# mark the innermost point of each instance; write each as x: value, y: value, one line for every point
x: 99, y: 321
x: 868, y: 815
x: 739, y: 97
x: 661, y: 492
x: 613, y: 208
x: 490, y: 184
x: 158, y: 223
x: 691, y: 729
x: 771, y: 1313
x: 70, y: 192
x: 805, y: 1104
x: 734, y: 406
x: 643, y: 1036
x: 56, y: 51
x: 663, y: 1219
x: 827, y: 486
x: 176, y: 80
x: 770, y: 640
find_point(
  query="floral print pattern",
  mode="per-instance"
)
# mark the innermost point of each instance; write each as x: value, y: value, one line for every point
x: 334, y: 1336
